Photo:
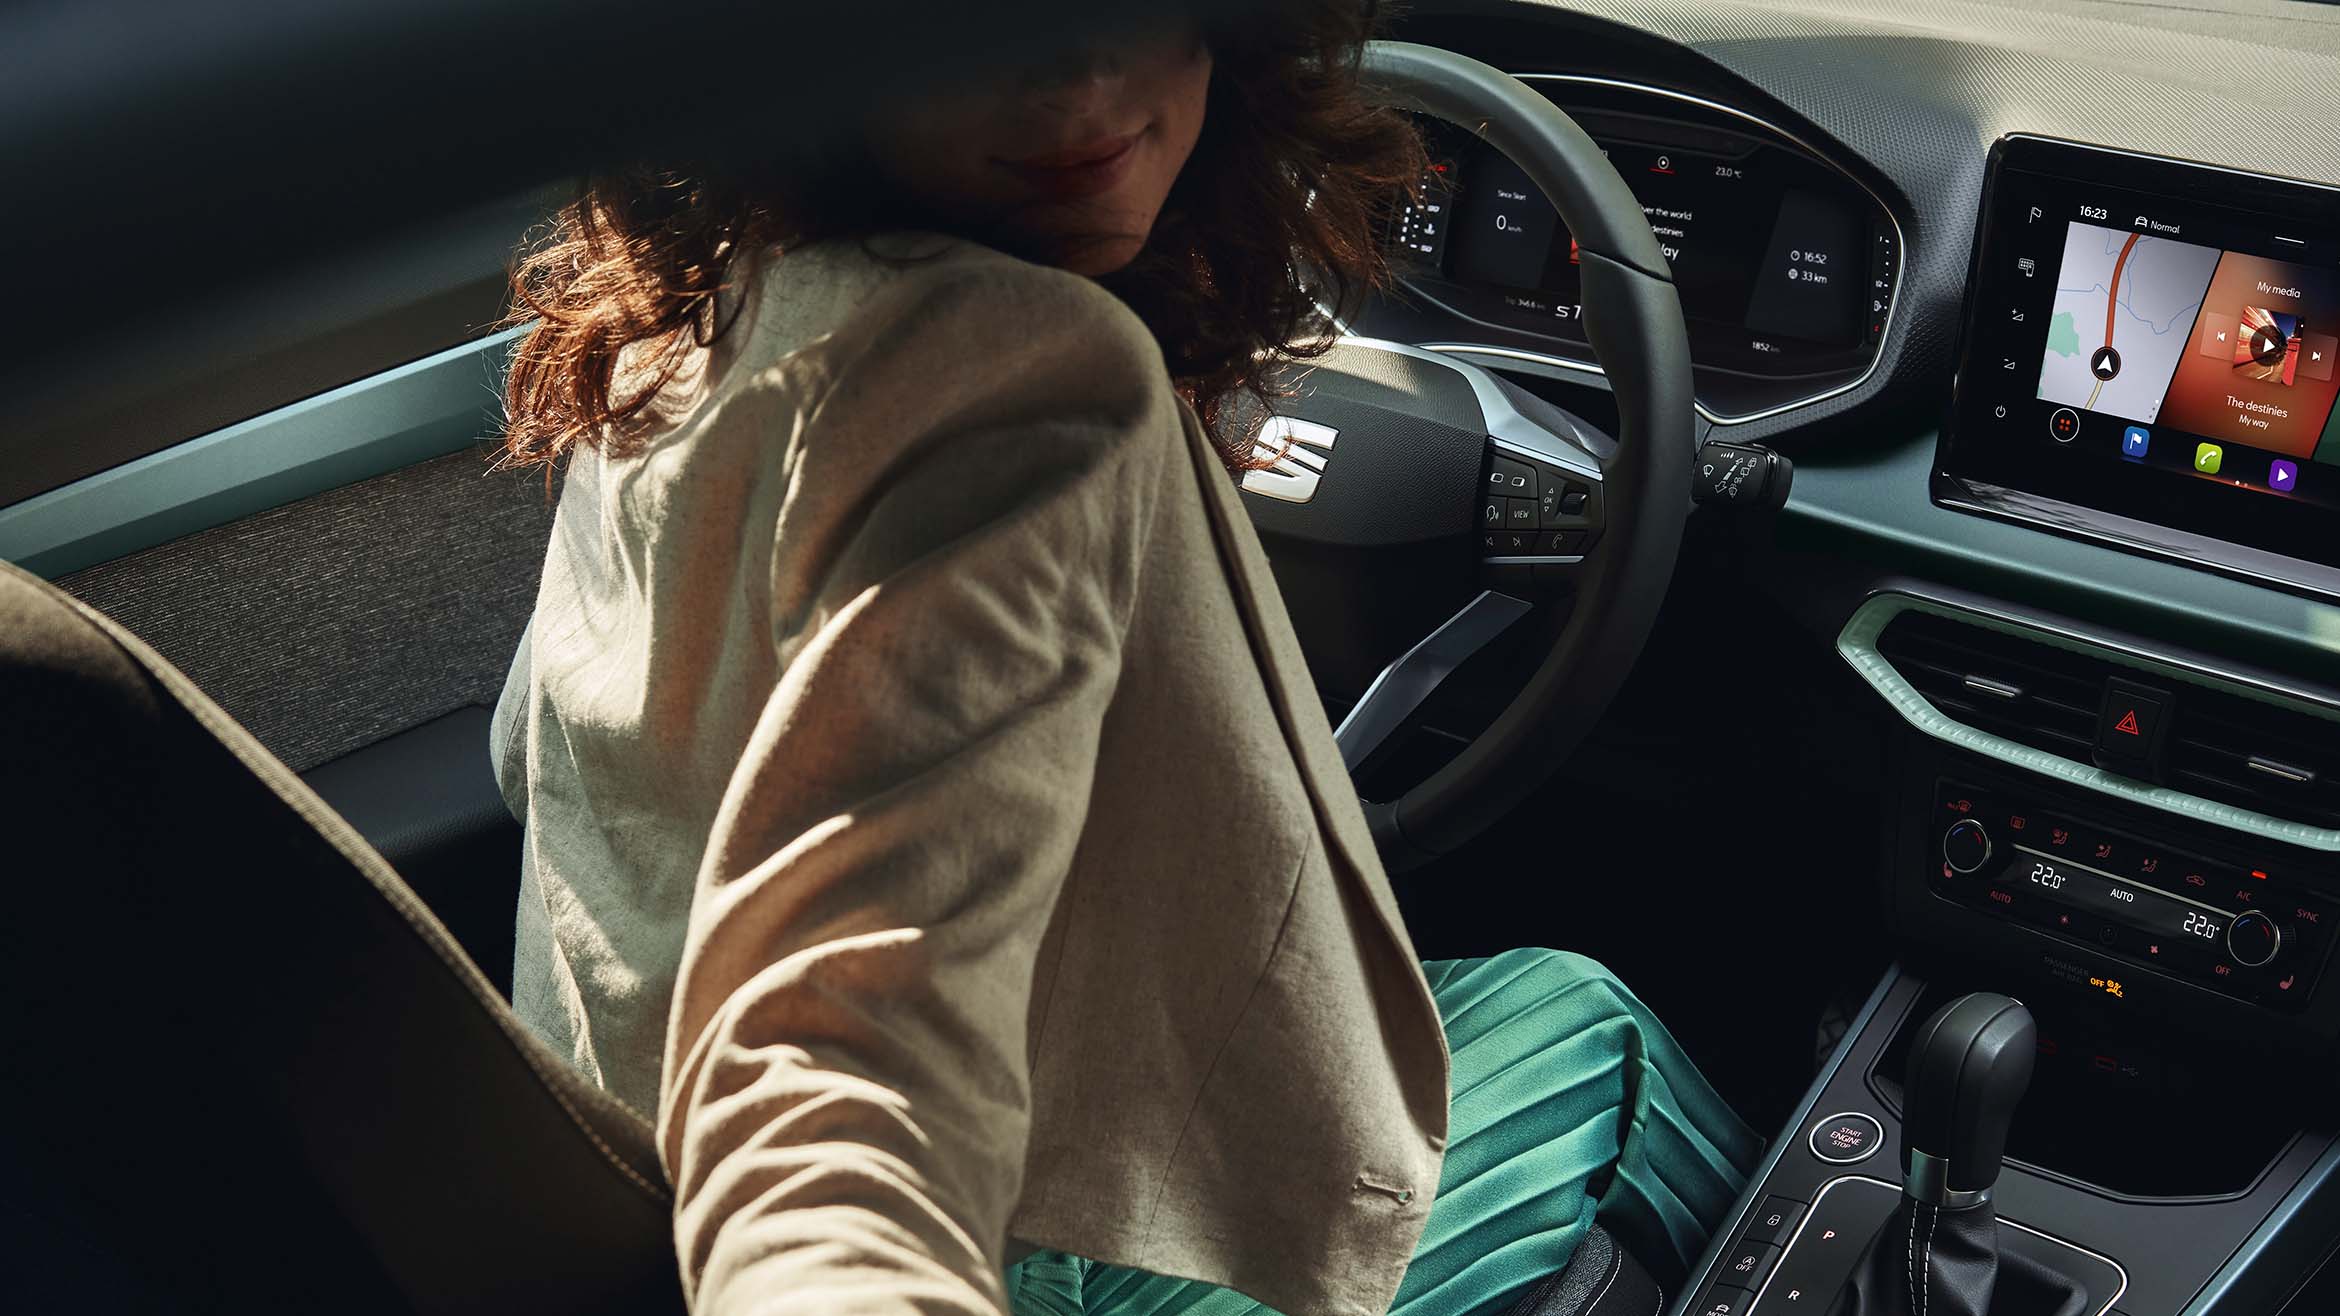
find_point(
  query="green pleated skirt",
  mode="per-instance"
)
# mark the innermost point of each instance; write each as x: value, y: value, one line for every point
x: 1570, y: 1104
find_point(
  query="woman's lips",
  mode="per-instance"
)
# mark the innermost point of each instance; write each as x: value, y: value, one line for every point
x: 1082, y: 170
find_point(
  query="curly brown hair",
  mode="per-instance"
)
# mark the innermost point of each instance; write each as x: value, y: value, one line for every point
x: 1277, y: 216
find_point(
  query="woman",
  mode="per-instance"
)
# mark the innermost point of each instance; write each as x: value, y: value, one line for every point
x: 928, y: 816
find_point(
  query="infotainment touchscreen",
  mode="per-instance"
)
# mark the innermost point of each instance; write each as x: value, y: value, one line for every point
x: 2152, y: 354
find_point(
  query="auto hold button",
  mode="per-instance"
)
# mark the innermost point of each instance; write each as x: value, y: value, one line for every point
x: 1847, y: 1138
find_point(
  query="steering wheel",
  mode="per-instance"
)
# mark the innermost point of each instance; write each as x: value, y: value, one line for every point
x: 1396, y: 457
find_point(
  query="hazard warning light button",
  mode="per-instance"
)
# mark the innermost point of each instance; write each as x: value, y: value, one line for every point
x: 2129, y: 729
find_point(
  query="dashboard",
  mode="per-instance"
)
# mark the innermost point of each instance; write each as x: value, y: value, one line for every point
x: 2043, y: 301
x: 1820, y: 175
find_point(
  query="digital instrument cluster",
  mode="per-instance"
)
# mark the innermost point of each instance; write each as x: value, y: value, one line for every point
x: 1785, y: 265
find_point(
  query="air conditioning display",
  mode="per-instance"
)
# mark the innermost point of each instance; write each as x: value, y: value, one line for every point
x: 2158, y: 340
x: 2252, y: 930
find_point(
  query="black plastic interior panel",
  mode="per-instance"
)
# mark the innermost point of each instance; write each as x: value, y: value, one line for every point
x: 427, y: 799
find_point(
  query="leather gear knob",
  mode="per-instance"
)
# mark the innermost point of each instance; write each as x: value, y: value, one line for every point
x: 1968, y: 1067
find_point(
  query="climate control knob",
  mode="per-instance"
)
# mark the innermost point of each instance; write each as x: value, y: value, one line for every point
x: 1966, y: 846
x: 2253, y: 939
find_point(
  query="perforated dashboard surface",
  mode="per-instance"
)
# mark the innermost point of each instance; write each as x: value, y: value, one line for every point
x: 1916, y: 91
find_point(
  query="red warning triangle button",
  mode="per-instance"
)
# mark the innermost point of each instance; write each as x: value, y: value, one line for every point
x: 2128, y: 723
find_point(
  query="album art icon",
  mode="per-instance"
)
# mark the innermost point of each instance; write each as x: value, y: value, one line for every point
x: 2266, y: 345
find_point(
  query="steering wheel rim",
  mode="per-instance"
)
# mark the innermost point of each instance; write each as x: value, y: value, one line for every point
x: 1632, y: 319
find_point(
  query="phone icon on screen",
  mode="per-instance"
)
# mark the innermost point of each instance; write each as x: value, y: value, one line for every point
x: 2208, y: 457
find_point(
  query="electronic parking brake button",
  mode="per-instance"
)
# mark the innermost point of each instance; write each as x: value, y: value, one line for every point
x: 1774, y: 1220
x: 1846, y: 1139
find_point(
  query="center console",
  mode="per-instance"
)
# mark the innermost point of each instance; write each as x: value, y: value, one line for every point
x: 2100, y: 1077
x: 2140, y: 844
x: 2235, y: 1229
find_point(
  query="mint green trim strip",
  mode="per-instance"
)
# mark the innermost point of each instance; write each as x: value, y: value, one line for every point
x: 423, y: 409
x: 1857, y: 644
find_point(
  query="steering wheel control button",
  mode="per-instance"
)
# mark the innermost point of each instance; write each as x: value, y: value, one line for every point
x: 1492, y: 513
x: 2253, y: 939
x: 2064, y: 425
x: 1749, y: 1264
x: 1511, y: 478
x: 2128, y: 729
x: 1774, y: 1220
x: 1519, y: 514
x: 1846, y: 1139
x: 1552, y: 484
x: 1966, y: 846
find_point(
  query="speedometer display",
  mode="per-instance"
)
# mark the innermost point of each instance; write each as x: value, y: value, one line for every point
x: 1771, y: 289
x: 1786, y: 266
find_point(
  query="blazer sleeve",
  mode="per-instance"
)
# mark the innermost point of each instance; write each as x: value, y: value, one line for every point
x: 846, y: 1095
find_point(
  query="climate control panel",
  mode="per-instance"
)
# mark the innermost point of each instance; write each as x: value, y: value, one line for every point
x: 2248, y: 929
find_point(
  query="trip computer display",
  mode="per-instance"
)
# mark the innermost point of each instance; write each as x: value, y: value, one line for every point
x: 2157, y: 341
x: 1785, y: 264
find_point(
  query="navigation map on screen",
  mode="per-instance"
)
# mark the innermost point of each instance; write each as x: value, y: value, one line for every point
x: 2125, y: 305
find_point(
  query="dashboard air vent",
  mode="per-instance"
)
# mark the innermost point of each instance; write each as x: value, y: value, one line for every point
x: 2021, y: 690
x: 2220, y: 746
x: 2261, y: 756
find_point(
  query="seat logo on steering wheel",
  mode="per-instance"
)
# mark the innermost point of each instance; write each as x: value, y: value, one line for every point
x: 1298, y: 451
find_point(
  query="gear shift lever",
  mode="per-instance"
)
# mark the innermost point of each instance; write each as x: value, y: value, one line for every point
x: 1938, y: 1253
x: 1968, y: 1067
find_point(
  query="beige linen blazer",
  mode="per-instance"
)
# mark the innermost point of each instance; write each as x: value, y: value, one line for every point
x: 930, y: 815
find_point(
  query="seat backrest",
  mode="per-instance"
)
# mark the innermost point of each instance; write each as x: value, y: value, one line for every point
x: 244, y: 1066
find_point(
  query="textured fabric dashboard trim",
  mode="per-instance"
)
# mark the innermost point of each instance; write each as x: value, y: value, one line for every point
x: 328, y: 623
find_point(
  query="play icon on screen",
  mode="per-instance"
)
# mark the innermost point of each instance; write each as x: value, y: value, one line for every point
x: 2266, y: 345
x: 2282, y: 476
